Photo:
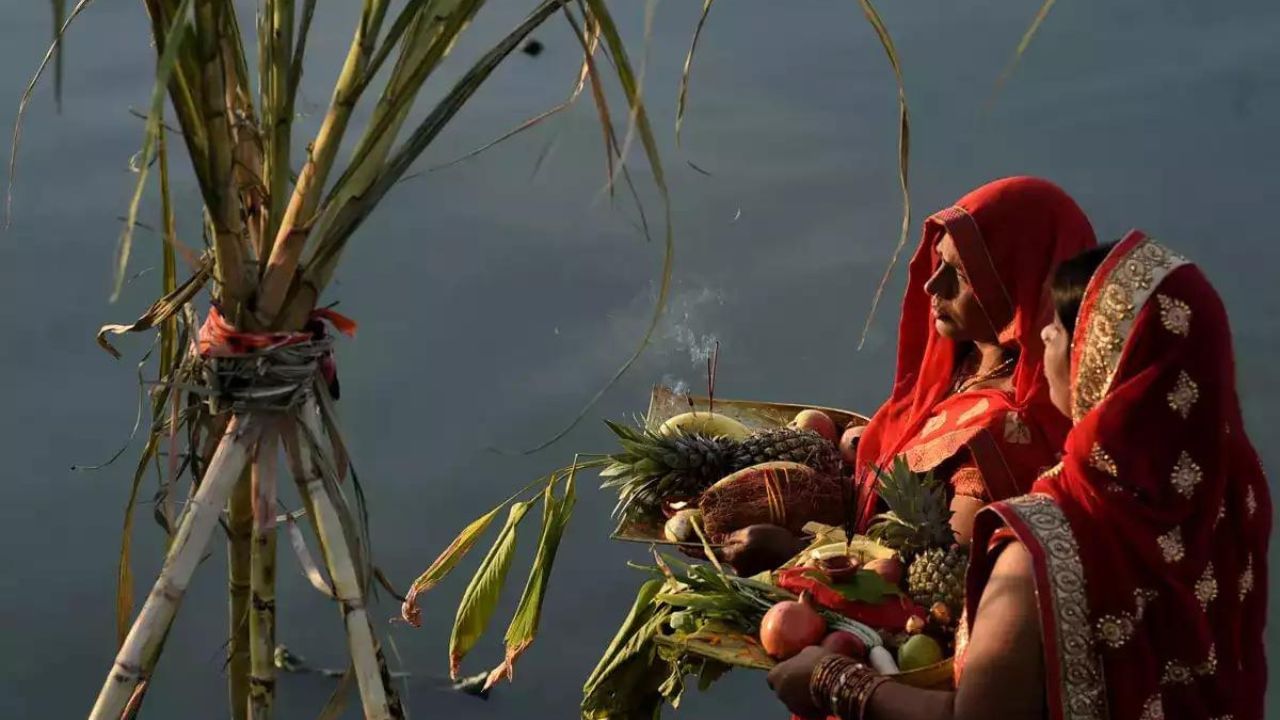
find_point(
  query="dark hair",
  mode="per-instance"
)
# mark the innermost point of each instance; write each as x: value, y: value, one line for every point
x: 1071, y: 280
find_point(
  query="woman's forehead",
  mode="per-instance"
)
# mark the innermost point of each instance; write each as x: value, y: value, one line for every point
x: 946, y: 247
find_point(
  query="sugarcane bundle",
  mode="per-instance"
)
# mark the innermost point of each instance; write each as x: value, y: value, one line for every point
x: 257, y: 373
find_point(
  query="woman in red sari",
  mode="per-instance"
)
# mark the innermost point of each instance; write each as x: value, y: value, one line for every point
x: 969, y: 400
x: 1132, y: 581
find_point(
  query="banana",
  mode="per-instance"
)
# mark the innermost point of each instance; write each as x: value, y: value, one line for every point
x: 706, y: 424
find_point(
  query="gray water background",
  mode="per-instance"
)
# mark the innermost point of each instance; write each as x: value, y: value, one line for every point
x: 493, y: 301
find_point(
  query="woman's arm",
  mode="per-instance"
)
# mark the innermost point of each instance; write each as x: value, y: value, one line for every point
x: 1003, y: 665
x: 968, y: 496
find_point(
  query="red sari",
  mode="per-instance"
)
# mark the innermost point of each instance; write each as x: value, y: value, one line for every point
x: 1150, y: 539
x: 1010, y: 235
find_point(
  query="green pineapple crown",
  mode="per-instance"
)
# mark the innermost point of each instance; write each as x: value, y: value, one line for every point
x: 655, y: 465
x: 918, y: 516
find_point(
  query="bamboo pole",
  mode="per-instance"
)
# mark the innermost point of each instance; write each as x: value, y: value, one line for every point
x: 239, y: 544
x: 262, y: 617
x: 137, y: 656
x: 317, y: 482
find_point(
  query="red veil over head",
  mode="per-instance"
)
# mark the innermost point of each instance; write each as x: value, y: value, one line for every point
x: 1010, y: 235
x: 1150, y: 539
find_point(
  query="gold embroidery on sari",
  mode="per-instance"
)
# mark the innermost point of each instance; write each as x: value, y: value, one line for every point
x: 1186, y: 475
x: 1116, y: 630
x: 1171, y: 545
x: 1153, y: 709
x: 1175, y: 315
x: 1222, y: 512
x: 1127, y: 288
x: 932, y: 424
x: 973, y: 412
x: 1177, y: 673
x: 1206, y: 587
x: 1250, y: 501
x: 1101, y: 461
x: 1184, y: 395
x: 1016, y: 431
x: 1246, y: 577
x: 1080, y: 668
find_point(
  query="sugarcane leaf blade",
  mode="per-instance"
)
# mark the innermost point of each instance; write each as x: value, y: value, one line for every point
x: 904, y: 156
x: 480, y: 599
x: 174, y: 38
x: 443, y: 564
x: 682, y: 96
x: 524, y: 623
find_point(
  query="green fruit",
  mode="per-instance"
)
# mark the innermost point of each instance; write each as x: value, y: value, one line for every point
x: 917, y: 652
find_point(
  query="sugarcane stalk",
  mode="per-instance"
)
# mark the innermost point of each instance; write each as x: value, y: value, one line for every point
x: 296, y: 221
x: 229, y: 251
x: 339, y: 544
x: 262, y: 615
x: 138, y: 654
x: 278, y: 24
x: 239, y: 544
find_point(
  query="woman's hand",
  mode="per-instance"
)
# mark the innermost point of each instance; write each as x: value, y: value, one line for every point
x: 757, y: 548
x: 789, y: 680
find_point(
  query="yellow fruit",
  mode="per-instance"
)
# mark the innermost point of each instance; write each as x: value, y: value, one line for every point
x: 680, y: 527
x: 817, y: 421
x: 707, y: 424
x: 917, y: 652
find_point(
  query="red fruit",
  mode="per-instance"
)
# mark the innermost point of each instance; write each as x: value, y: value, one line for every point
x: 817, y: 421
x: 849, y: 444
x: 842, y: 642
x: 889, y: 569
x: 790, y: 627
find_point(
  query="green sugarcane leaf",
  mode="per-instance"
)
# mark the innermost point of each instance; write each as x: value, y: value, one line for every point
x: 445, y: 563
x: 481, y: 596
x: 524, y: 624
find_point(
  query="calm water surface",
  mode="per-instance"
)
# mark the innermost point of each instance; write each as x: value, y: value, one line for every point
x: 493, y: 300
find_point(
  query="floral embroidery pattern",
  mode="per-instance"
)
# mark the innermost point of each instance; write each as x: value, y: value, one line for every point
x: 1176, y: 673
x: 1099, y: 460
x: 1153, y: 709
x: 931, y: 426
x: 1175, y: 315
x: 977, y: 409
x: 1206, y: 587
x: 1116, y: 630
x: 1250, y: 501
x: 1171, y: 545
x: 1184, y: 395
x: 1246, y: 577
x: 1186, y: 475
x: 1016, y: 431
x: 1127, y: 288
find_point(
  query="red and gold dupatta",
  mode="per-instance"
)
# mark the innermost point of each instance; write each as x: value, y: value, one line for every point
x: 1010, y: 235
x: 1150, y: 539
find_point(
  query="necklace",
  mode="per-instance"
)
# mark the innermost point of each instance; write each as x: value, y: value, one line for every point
x: 965, y: 383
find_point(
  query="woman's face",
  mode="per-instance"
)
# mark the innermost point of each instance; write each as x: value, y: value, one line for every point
x: 956, y: 312
x: 1057, y: 363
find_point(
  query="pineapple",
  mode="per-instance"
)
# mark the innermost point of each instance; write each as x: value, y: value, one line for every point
x: 918, y: 526
x: 789, y: 444
x: 654, y: 467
